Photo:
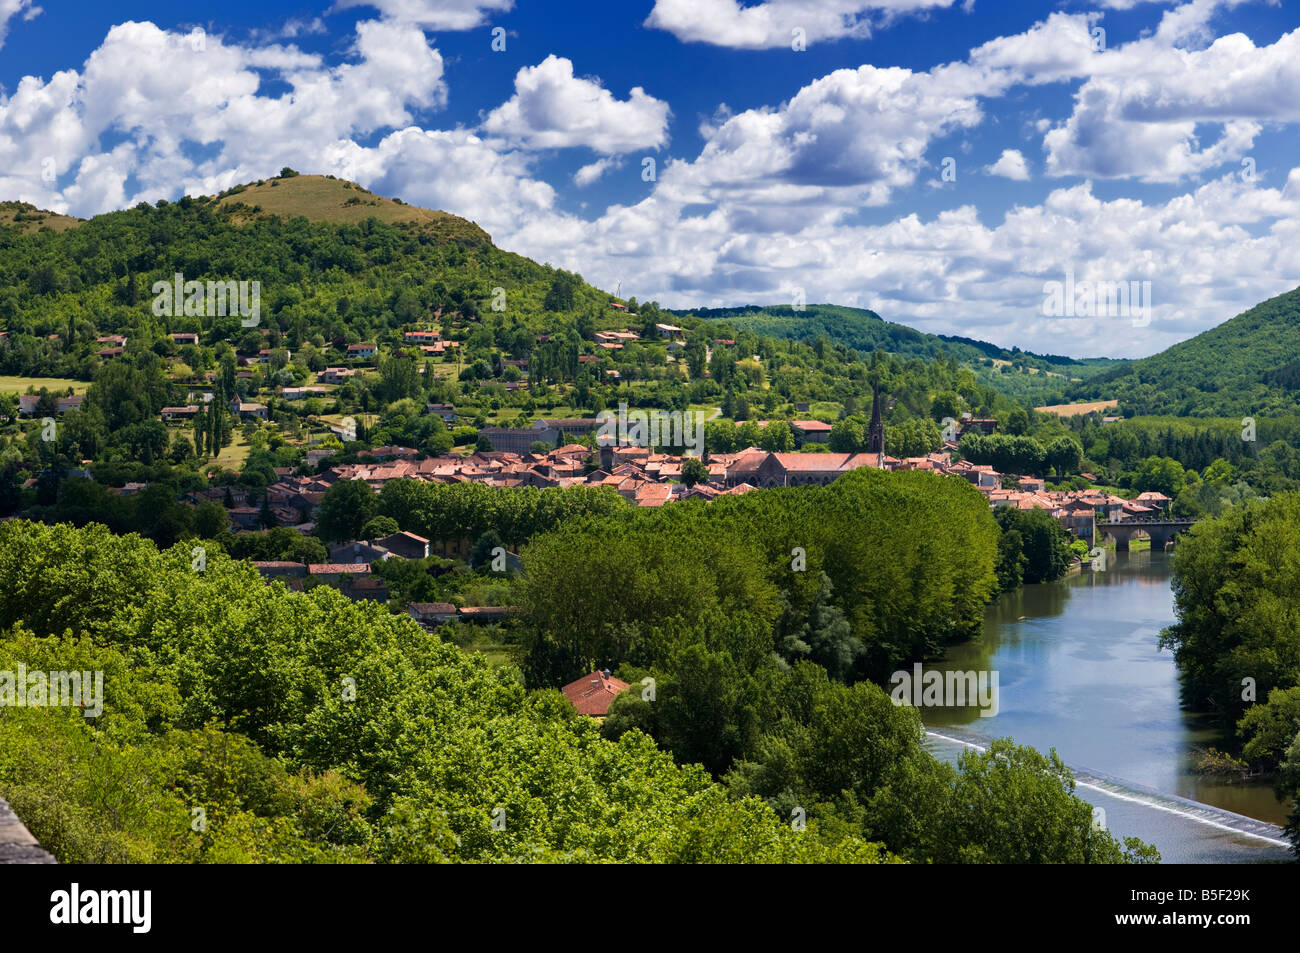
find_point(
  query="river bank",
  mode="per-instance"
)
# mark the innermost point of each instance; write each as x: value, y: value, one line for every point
x: 1079, y: 670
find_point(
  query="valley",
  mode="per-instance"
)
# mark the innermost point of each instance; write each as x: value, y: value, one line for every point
x: 396, y: 464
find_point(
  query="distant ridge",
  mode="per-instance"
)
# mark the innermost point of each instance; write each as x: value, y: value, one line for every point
x: 865, y: 329
x: 1034, y: 378
x: 1246, y: 366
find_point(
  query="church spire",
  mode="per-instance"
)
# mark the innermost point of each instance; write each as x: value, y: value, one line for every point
x: 876, y: 432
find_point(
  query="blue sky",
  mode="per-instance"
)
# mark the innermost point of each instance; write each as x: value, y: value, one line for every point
x: 1113, y: 141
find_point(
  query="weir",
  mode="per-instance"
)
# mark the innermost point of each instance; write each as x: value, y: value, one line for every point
x: 1194, y: 811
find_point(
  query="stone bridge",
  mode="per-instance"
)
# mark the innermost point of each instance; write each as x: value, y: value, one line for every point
x: 1161, y: 532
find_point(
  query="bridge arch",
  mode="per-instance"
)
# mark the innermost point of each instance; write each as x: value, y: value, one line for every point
x: 1161, y: 532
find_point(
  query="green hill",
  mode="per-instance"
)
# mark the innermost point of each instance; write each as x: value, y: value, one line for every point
x: 1037, y: 378
x: 1247, y: 366
x: 329, y: 268
x: 338, y: 261
x: 337, y: 265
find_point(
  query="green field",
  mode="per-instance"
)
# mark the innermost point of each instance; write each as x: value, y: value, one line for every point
x: 19, y: 385
x: 233, y: 456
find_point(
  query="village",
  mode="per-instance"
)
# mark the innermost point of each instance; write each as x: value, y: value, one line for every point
x: 641, y: 476
x: 647, y: 478
x: 276, y: 394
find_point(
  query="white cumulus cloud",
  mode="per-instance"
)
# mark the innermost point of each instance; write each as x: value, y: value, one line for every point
x: 145, y: 97
x: 594, y: 170
x: 1159, y: 108
x: 1011, y: 165
x: 13, y: 8
x: 774, y: 23
x: 553, y: 109
x: 435, y: 14
x: 850, y: 138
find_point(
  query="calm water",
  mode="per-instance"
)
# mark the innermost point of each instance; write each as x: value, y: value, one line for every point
x: 1079, y: 670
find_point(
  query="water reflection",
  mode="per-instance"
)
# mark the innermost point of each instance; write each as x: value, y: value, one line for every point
x: 1080, y: 670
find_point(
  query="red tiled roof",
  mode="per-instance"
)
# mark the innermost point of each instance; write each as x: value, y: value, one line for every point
x: 592, y: 694
x: 331, y: 569
x: 811, y: 426
x: 812, y: 461
x: 409, y: 535
x: 653, y: 494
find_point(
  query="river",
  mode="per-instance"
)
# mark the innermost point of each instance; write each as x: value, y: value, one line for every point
x: 1079, y: 670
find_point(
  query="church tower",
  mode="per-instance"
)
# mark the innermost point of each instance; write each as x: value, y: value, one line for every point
x: 876, y: 432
